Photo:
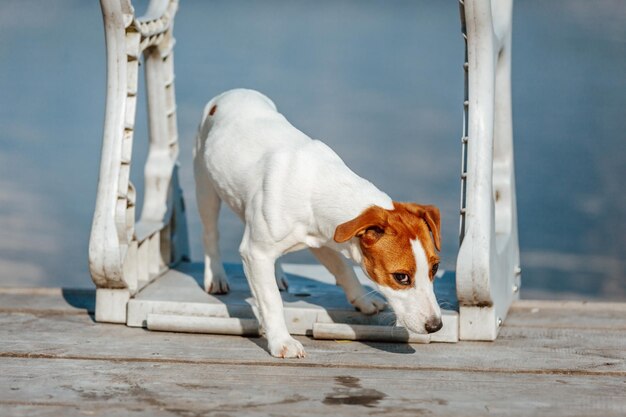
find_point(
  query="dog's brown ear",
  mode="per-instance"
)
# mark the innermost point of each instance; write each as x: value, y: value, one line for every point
x: 369, y: 226
x: 433, y: 220
x: 431, y: 216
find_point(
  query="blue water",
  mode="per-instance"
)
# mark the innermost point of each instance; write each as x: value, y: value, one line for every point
x: 380, y: 82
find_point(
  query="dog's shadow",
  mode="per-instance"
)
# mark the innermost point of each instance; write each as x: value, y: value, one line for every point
x: 307, y: 292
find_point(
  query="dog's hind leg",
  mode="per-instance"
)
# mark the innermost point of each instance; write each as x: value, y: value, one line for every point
x: 215, y: 280
x: 365, y: 302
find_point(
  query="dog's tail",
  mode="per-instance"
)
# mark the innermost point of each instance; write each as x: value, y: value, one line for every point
x: 206, y: 122
x: 208, y: 113
x: 238, y: 101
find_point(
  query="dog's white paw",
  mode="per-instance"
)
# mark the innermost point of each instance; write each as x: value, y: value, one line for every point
x: 216, y: 283
x: 286, y: 347
x: 369, y: 304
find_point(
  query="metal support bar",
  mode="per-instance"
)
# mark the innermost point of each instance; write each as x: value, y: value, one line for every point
x: 488, y: 262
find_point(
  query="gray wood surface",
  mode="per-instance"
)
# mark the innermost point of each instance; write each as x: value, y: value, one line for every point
x: 553, y: 359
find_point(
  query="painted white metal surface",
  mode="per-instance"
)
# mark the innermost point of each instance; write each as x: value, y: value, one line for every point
x: 487, y: 269
x: 212, y: 325
x: 124, y: 256
x: 111, y: 305
x: 341, y: 331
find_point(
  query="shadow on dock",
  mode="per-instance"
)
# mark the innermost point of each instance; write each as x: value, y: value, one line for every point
x: 82, y: 299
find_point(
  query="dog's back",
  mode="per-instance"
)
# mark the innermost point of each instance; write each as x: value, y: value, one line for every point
x: 241, y: 133
x: 245, y: 146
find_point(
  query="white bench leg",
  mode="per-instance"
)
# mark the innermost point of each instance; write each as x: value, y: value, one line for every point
x: 488, y: 261
x: 111, y: 305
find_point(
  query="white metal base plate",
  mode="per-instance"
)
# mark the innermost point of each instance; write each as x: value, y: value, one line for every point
x: 312, y: 297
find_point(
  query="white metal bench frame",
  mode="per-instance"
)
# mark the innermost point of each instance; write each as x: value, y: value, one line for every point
x: 125, y: 256
x: 487, y: 269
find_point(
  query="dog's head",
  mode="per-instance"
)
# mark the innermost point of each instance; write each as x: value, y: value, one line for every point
x: 399, y: 254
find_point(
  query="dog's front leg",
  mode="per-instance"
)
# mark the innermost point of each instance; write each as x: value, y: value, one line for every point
x: 259, y: 269
x: 364, y: 301
x: 281, y: 277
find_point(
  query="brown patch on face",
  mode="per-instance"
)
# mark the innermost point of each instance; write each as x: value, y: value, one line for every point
x: 213, y: 110
x: 429, y: 216
x: 385, y: 240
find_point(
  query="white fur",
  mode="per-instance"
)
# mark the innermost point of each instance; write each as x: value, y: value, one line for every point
x: 291, y: 192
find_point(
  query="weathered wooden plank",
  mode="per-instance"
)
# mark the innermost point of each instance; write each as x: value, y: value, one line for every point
x: 525, y: 313
x: 51, y: 300
x: 54, y: 360
x: 36, y: 387
x: 587, y: 306
x: 568, y: 314
x: 523, y: 350
x: 561, y: 318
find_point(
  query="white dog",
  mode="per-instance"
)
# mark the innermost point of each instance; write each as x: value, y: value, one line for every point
x: 292, y: 193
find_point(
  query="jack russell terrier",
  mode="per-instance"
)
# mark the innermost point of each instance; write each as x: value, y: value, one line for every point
x: 293, y: 192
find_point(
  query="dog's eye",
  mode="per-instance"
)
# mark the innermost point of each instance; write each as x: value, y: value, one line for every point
x: 435, y: 269
x: 401, y: 278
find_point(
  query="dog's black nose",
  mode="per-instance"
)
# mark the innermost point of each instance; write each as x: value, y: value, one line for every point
x: 434, y: 324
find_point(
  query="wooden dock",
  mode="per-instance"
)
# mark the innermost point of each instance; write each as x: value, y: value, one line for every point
x: 552, y: 359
